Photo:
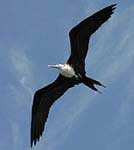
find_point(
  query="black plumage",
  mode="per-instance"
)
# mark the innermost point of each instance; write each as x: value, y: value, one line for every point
x: 79, y: 39
x: 43, y: 99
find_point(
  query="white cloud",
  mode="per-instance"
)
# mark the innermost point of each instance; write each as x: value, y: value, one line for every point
x: 15, y: 135
x: 22, y: 68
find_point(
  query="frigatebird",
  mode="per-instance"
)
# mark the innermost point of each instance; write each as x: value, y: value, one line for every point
x: 71, y: 73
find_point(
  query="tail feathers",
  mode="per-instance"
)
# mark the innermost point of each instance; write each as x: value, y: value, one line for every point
x: 91, y: 84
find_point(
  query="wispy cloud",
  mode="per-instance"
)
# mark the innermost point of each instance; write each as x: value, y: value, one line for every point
x: 21, y: 92
x: 22, y: 67
x: 122, y: 125
x: 16, y: 136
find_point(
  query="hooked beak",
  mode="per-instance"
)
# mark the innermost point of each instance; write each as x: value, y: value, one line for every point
x: 53, y: 66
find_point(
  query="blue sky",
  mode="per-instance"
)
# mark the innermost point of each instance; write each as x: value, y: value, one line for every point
x: 34, y: 34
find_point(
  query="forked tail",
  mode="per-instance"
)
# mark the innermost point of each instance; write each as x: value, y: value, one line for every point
x: 91, y: 83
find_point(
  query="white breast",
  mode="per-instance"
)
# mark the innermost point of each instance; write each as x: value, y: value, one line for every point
x: 67, y: 71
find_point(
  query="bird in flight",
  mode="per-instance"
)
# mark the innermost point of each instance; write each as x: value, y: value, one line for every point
x: 71, y: 73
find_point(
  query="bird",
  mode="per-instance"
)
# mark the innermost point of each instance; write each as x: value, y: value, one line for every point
x: 70, y: 74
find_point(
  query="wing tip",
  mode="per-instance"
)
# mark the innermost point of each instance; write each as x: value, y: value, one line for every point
x: 113, y: 7
x: 35, y: 140
x: 31, y: 144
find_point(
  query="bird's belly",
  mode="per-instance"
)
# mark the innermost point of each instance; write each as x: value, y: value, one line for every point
x: 68, y: 72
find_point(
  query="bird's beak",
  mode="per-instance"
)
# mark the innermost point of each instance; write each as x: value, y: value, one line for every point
x: 53, y: 66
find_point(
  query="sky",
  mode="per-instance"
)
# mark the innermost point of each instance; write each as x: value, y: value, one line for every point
x: 34, y: 34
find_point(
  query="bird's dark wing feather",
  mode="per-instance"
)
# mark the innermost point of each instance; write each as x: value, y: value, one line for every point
x: 43, y: 99
x: 80, y: 34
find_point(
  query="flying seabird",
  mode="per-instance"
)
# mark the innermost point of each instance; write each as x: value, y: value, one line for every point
x: 71, y: 73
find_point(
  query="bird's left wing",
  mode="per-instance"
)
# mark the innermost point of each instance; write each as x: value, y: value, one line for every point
x: 43, y: 100
x: 80, y: 34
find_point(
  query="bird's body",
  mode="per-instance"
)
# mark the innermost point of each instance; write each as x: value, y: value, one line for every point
x: 65, y: 69
x: 71, y: 73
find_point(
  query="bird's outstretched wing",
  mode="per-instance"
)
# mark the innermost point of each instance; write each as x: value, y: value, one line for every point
x: 80, y: 34
x: 43, y: 99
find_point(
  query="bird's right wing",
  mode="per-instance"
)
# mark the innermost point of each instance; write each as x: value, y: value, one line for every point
x: 43, y: 99
x: 80, y: 34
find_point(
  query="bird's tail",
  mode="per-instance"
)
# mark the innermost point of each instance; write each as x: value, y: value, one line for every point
x: 91, y: 83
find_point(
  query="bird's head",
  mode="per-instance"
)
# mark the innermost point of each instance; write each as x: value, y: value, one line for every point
x: 58, y: 66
